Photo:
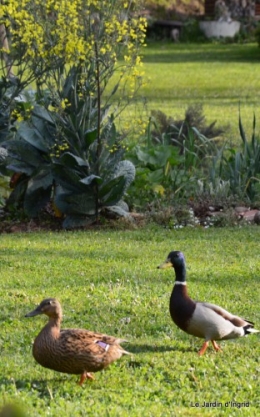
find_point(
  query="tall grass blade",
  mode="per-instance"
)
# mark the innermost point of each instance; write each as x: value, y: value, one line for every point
x: 241, y: 129
x: 254, y: 144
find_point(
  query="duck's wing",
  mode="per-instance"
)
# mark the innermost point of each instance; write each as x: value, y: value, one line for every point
x: 85, y: 339
x: 86, y: 350
x: 235, y: 320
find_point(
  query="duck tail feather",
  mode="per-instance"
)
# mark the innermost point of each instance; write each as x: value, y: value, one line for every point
x: 248, y: 329
x: 122, y: 350
x: 119, y: 341
x: 125, y: 352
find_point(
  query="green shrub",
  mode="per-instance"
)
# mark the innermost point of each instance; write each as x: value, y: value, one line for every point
x: 170, y: 160
x: 177, y: 130
x: 60, y: 160
x: 178, y: 163
x: 191, y: 31
x: 65, y: 148
x: 242, y: 167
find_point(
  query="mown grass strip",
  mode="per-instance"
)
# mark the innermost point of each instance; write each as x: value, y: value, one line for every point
x: 221, y: 77
x: 104, y: 277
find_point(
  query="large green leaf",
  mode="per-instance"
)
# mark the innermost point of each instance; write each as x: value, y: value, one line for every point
x: 127, y: 170
x: 69, y: 85
x: 76, y: 204
x: 90, y: 136
x: 4, y: 126
x: 3, y: 154
x: 3, y: 159
x: 17, y: 194
x: 20, y: 166
x: 155, y: 176
x: 112, y: 191
x: 109, y: 160
x: 90, y: 179
x: 119, y: 211
x: 32, y: 136
x: 73, y: 161
x: 43, y: 179
x: 38, y: 192
x: 23, y: 151
x: 46, y: 131
x: 41, y: 113
x: 157, y: 156
x: 36, y: 200
x: 69, y: 179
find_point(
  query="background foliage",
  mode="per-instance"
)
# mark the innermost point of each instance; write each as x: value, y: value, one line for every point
x: 85, y: 118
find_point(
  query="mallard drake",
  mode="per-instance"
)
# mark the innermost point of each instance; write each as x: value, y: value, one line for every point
x: 204, y: 320
x: 72, y: 351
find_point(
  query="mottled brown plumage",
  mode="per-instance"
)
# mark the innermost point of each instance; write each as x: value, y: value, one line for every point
x: 72, y: 351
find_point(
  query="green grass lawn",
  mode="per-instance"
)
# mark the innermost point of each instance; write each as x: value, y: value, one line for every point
x: 103, y: 277
x: 218, y: 76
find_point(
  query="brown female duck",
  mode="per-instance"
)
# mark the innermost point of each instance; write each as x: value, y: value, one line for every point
x: 204, y: 320
x: 72, y: 351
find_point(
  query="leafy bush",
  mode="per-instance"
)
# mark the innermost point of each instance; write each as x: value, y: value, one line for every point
x: 170, y: 161
x: 177, y: 162
x: 242, y: 167
x: 58, y: 157
x: 177, y: 130
x: 234, y: 174
x: 191, y: 32
x: 154, y: 172
x: 65, y: 147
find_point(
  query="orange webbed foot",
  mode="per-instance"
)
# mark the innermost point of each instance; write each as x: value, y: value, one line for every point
x: 203, y: 349
x: 216, y: 346
x: 84, y: 376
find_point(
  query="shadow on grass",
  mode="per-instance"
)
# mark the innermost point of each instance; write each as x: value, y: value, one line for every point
x: 41, y: 386
x: 201, y: 53
x: 145, y: 348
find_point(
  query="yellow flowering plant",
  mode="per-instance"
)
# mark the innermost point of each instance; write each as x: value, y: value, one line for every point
x: 45, y: 36
x: 80, y: 55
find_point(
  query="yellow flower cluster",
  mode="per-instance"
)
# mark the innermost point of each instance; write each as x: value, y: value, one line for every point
x: 20, y: 115
x: 58, y: 149
x: 69, y: 29
x: 60, y: 105
x: 116, y: 147
x: 46, y: 35
x: 17, y: 115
